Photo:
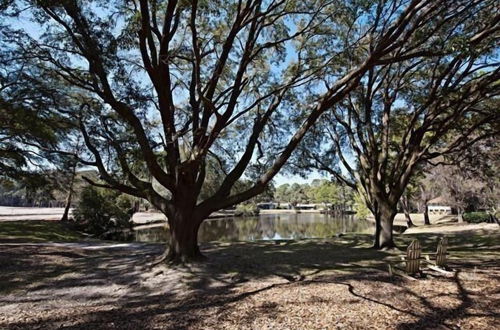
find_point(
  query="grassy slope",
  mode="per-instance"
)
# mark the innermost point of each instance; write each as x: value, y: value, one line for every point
x: 37, y: 231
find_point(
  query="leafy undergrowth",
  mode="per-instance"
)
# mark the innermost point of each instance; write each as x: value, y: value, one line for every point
x: 37, y: 231
x: 304, y: 284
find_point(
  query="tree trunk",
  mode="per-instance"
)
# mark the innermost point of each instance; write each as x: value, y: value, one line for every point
x: 65, y: 216
x: 494, y: 218
x: 409, y: 223
x: 183, y: 244
x: 460, y: 217
x: 384, y: 219
x: 426, y: 215
x: 404, y: 203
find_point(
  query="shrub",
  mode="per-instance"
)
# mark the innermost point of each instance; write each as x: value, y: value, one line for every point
x: 476, y: 217
x: 101, y: 210
x: 246, y: 209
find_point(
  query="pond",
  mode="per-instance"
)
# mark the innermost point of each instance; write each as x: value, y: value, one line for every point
x: 266, y: 227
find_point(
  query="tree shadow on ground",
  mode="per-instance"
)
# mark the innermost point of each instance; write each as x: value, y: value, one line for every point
x: 180, y: 297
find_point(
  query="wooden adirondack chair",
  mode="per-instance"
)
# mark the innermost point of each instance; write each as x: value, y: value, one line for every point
x: 413, y: 256
x: 440, y: 261
x: 411, y: 260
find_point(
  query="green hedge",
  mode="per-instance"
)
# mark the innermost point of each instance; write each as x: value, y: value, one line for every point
x: 476, y: 217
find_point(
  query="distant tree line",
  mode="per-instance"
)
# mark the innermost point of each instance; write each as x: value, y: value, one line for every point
x: 318, y: 191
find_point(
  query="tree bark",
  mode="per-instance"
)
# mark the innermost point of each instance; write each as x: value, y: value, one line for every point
x: 384, y: 219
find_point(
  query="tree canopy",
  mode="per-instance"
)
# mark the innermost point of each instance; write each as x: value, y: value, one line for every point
x: 28, y: 129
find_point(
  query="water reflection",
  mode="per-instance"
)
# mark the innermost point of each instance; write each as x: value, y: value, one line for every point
x: 266, y: 227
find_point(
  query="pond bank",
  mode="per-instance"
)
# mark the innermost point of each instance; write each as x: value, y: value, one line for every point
x: 141, y: 218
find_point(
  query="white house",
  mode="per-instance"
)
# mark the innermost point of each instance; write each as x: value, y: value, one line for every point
x: 437, y: 206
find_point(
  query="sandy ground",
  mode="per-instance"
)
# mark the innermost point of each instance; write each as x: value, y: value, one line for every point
x: 445, y: 228
x: 418, y: 219
x: 147, y: 217
x: 8, y: 213
x: 309, y: 284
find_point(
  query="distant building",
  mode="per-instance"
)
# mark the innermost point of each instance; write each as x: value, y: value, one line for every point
x: 267, y: 205
x: 305, y: 206
x: 298, y: 206
x: 438, y: 206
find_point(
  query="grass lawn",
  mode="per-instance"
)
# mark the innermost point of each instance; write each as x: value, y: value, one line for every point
x: 37, y: 231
